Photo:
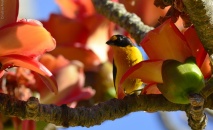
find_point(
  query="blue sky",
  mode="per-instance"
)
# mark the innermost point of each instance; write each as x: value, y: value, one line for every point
x: 40, y: 9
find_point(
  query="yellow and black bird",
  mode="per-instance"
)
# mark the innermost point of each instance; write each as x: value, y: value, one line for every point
x: 125, y: 55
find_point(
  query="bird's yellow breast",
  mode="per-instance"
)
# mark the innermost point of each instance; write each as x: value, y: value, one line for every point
x: 124, y: 58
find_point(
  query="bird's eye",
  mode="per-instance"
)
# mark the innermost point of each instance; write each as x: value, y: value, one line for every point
x: 113, y: 38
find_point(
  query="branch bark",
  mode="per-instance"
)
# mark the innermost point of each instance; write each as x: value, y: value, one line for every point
x: 200, y: 12
x: 82, y: 116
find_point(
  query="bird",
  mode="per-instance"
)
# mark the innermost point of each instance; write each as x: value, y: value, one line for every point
x: 125, y: 55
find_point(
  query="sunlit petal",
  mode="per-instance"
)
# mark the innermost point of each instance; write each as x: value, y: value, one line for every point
x: 99, y: 32
x: 147, y: 71
x: 14, y: 60
x: 166, y: 42
x: 25, y: 38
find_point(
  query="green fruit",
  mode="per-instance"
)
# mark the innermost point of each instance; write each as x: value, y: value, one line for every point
x: 180, y: 80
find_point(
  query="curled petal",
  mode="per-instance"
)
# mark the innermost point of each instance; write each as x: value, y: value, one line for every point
x: 148, y: 71
x: 9, y: 12
x: 166, y: 42
x: 25, y: 38
x: 14, y: 60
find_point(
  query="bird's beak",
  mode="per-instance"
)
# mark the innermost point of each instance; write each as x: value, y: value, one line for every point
x: 110, y: 42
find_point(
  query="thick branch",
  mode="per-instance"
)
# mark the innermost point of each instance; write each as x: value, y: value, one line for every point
x: 117, y: 13
x: 200, y: 12
x: 82, y: 116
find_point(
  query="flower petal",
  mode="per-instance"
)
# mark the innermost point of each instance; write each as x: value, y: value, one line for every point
x: 145, y: 9
x: 148, y: 71
x: 99, y: 33
x: 85, y: 55
x: 66, y: 30
x: 9, y: 12
x: 14, y: 60
x: 28, y: 125
x: 198, y: 51
x: 193, y: 40
x: 206, y: 67
x: 53, y: 63
x: 195, y: 45
x: 71, y: 81
x: 166, y: 42
x: 78, y: 94
x: 25, y: 38
x: 76, y: 8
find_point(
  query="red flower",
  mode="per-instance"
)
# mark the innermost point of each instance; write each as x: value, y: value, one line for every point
x: 163, y: 43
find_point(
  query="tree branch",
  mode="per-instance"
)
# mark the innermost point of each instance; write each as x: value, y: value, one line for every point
x: 117, y: 13
x: 95, y: 115
x: 200, y: 12
x: 197, y: 119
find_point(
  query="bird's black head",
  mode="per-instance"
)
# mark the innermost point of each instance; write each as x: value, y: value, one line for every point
x: 120, y: 40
